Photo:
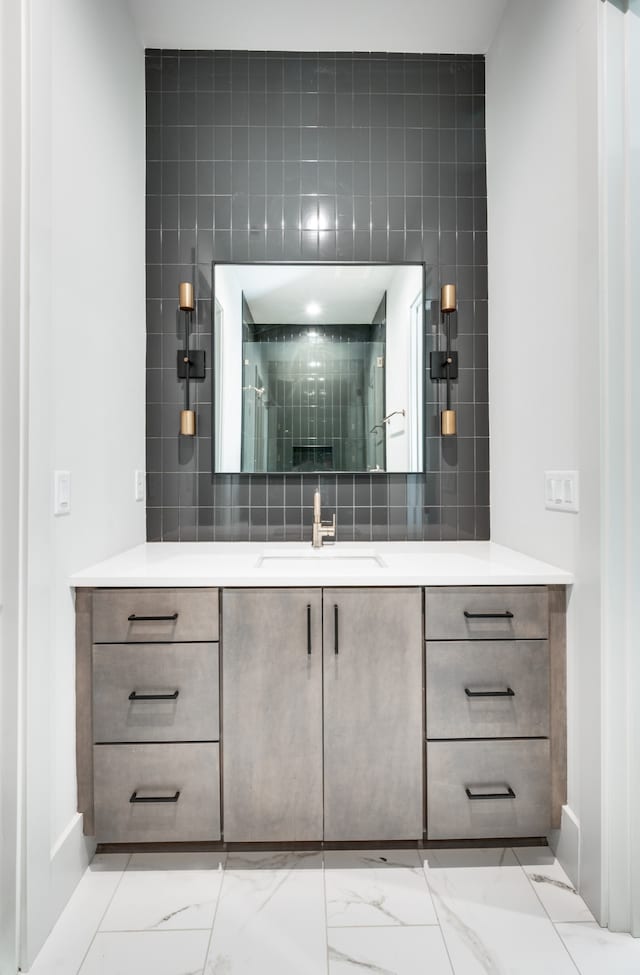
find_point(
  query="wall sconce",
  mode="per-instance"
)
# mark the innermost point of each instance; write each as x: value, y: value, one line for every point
x: 191, y: 364
x: 444, y: 365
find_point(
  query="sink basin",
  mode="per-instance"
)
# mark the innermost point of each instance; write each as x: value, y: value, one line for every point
x: 365, y: 558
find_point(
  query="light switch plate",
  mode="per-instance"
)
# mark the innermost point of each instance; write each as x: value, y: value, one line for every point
x: 138, y: 485
x: 562, y: 491
x: 61, y: 492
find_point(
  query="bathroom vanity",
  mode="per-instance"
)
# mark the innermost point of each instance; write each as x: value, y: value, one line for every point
x: 252, y: 693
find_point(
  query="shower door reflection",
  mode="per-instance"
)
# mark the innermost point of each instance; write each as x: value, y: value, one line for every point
x: 313, y: 397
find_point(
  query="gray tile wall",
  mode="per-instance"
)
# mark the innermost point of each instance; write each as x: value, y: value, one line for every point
x: 244, y: 150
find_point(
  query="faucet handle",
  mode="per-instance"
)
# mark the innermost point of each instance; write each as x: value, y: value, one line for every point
x: 329, y: 527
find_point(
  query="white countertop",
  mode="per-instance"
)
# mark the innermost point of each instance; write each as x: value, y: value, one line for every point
x: 158, y: 564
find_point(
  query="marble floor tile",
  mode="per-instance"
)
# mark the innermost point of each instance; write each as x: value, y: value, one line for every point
x: 557, y: 894
x: 166, y: 891
x: 597, y: 951
x: 271, y: 916
x: 376, y: 887
x: 141, y: 952
x: 491, y: 919
x: 66, y: 946
x: 388, y: 951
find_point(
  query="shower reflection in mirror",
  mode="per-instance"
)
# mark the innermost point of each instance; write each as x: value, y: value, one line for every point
x: 318, y: 368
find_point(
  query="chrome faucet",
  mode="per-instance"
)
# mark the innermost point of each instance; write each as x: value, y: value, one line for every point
x: 321, y: 530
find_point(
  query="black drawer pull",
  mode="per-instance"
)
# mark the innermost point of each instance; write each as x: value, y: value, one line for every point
x: 155, y: 619
x: 335, y: 629
x: 134, y: 696
x: 136, y: 798
x: 309, y: 628
x: 507, y: 693
x: 509, y: 794
x: 489, y: 616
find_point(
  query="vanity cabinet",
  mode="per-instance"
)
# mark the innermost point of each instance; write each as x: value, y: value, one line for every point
x: 373, y: 780
x: 148, y: 755
x: 309, y: 714
x: 272, y: 714
x: 488, y: 712
x: 322, y: 693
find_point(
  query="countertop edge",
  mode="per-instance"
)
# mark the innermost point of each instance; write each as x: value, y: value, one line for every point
x: 490, y: 565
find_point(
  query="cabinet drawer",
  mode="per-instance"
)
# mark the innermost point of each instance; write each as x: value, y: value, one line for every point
x: 154, y: 615
x: 175, y: 688
x: 488, y: 689
x: 185, y: 776
x: 487, y: 613
x: 487, y: 767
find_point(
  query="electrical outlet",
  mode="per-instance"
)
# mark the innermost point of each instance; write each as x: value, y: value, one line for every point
x: 138, y: 485
x: 562, y: 491
x: 61, y: 492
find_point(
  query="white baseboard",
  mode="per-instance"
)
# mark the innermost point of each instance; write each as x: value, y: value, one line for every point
x: 70, y: 857
x: 565, y: 843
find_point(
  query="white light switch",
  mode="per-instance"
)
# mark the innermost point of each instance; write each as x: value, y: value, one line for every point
x: 561, y: 490
x: 61, y: 492
x: 138, y: 485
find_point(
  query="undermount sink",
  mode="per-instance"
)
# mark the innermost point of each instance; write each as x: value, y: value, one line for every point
x: 366, y: 557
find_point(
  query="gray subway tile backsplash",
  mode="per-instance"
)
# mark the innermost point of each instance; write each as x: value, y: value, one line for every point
x: 243, y: 150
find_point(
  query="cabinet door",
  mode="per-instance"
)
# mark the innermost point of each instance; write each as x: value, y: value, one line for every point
x: 272, y: 714
x: 373, y: 787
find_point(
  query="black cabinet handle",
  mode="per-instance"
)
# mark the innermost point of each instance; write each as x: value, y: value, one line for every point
x: 156, y: 619
x: 509, y: 794
x: 507, y: 693
x: 309, y: 628
x: 489, y: 616
x: 335, y: 629
x: 134, y: 696
x: 136, y: 798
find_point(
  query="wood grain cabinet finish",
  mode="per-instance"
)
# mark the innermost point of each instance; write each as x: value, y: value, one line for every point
x: 487, y: 613
x: 487, y: 689
x: 493, y: 725
x: 150, y: 793
x: 272, y: 714
x: 155, y: 692
x: 286, y: 668
x: 147, y: 668
x: 373, y: 787
x: 462, y: 774
x: 155, y: 615
x: 322, y: 713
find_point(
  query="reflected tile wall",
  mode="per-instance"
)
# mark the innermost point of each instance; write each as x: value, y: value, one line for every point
x: 348, y: 157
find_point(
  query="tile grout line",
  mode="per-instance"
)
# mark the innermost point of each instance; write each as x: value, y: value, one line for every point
x: 215, y: 913
x: 381, y: 927
x: 548, y: 916
x: 531, y: 883
x: 326, y: 915
x: 435, y: 908
x: 102, y: 916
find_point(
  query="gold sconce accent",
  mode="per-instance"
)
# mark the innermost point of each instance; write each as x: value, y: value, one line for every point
x: 444, y: 365
x: 187, y: 423
x: 186, y: 296
x: 448, y: 423
x: 191, y: 364
x: 447, y: 298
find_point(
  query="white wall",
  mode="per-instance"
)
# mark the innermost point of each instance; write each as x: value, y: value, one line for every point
x: 12, y: 173
x: 86, y: 386
x: 402, y: 290
x: 620, y: 313
x: 543, y: 346
x: 464, y: 26
x: 228, y: 432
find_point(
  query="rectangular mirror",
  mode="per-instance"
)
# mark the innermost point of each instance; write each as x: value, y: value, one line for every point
x: 318, y: 367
